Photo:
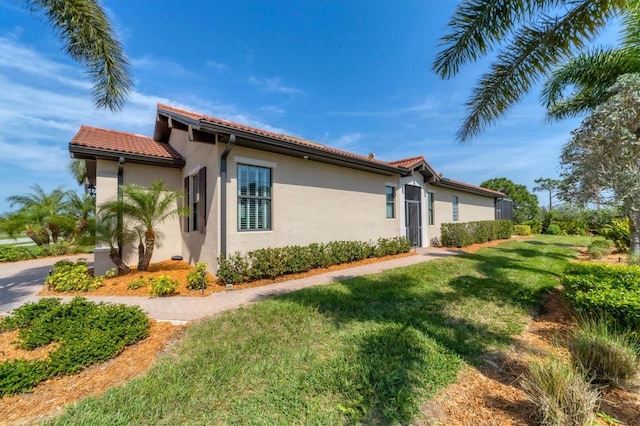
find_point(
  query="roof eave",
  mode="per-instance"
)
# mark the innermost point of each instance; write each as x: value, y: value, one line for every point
x: 84, y: 152
x: 470, y: 189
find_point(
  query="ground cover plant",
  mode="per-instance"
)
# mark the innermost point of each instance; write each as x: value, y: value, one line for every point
x: 83, y: 332
x: 367, y: 350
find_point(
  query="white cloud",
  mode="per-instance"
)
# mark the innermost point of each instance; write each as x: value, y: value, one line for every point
x: 274, y: 85
x: 272, y: 109
x: 427, y: 108
x: 219, y: 67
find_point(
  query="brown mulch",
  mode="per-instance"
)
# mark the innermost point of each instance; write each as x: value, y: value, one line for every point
x: 51, y: 396
x: 178, y: 269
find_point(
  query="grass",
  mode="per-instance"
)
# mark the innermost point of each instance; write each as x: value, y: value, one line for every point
x: 371, y: 349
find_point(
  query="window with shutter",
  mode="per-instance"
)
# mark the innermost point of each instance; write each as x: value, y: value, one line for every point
x: 254, y: 198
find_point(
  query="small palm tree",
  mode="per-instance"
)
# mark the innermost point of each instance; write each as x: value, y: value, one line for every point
x: 89, y: 39
x: 107, y: 232
x: 532, y: 36
x: 44, y: 216
x: 146, y: 208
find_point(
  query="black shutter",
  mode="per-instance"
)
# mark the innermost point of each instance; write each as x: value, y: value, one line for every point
x: 186, y: 204
x: 202, y: 203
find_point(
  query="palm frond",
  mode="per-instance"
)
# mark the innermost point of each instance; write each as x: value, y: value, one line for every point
x: 90, y: 40
x: 590, y: 74
x: 536, y: 48
x: 477, y: 26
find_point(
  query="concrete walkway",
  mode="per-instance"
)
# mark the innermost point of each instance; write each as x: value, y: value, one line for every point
x: 184, y: 309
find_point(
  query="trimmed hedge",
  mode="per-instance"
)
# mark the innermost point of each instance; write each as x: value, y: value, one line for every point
x: 14, y: 253
x: 603, y: 290
x: 273, y: 262
x: 467, y: 233
x: 86, y: 333
x: 522, y: 229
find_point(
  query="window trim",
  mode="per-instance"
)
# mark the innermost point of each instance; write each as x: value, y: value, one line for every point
x: 240, y: 197
x: 392, y: 202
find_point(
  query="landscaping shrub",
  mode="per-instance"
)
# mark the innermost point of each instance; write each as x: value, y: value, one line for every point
x: 560, y: 394
x: 612, y: 291
x: 273, y: 262
x: 604, y: 354
x: 599, y: 248
x: 13, y: 253
x: 86, y: 333
x: 162, y: 285
x: 618, y: 232
x: 70, y: 276
x: 464, y: 234
x: 57, y: 249
x: 197, y: 278
x: 554, y: 229
x: 137, y: 283
x: 522, y: 229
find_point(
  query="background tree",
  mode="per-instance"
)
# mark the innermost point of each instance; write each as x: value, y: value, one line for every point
x: 546, y: 184
x: 45, y: 217
x: 525, y: 204
x: 90, y: 40
x: 78, y: 169
x: 604, y: 152
x: 532, y: 36
x: 146, y: 208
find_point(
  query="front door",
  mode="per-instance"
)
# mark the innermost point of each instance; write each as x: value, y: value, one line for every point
x: 413, y: 217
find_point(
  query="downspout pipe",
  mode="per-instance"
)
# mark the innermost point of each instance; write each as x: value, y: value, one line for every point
x: 120, y: 224
x: 223, y: 195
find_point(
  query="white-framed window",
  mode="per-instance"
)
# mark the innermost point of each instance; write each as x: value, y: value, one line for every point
x: 254, y: 198
x: 454, y: 203
x: 390, y: 192
x: 430, y: 209
x: 195, y: 189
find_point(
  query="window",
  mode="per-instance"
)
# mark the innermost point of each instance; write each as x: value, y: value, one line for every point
x: 391, y: 202
x: 254, y: 198
x: 195, y: 188
x: 430, y: 207
x: 454, y: 202
x: 195, y: 199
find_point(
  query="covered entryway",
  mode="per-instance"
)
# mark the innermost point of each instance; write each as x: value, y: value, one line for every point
x: 413, y: 218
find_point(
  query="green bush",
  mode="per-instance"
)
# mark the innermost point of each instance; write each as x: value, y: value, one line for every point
x: 197, y: 278
x: 560, y: 394
x: 599, y: 248
x: 137, y: 283
x: 522, y: 229
x: 57, y: 249
x: 70, y: 276
x: 233, y: 269
x: 162, y: 285
x: 86, y: 333
x: 273, y: 262
x: 612, y: 291
x: 604, y: 354
x: 618, y: 232
x: 555, y: 229
x: 464, y: 234
x: 13, y: 253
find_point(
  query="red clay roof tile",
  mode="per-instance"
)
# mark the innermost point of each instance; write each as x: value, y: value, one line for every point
x: 112, y: 140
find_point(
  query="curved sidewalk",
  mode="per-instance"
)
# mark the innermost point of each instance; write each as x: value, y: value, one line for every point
x: 184, y: 309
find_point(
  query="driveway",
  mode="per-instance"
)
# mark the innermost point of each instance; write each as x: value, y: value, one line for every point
x: 20, y: 281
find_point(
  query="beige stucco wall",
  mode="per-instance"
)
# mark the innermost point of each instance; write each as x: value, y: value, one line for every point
x: 197, y: 247
x: 107, y: 189
x: 311, y: 202
x: 471, y: 207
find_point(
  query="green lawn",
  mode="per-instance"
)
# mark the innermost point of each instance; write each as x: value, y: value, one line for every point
x: 366, y: 350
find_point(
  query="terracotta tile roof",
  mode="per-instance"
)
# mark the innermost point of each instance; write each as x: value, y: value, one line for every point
x: 111, y: 140
x: 291, y: 139
x: 407, y: 162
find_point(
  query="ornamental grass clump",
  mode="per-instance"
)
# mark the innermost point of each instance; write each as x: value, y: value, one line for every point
x: 606, y: 355
x: 560, y: 394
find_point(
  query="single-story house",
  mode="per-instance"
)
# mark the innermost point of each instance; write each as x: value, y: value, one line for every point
x: 248, y: 188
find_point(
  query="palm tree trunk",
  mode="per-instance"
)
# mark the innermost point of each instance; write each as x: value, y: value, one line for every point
x: 634, y: 234
x: 150, y: 241
x: 141, y: 253
x: 115, y: 258
x: 55, y: 231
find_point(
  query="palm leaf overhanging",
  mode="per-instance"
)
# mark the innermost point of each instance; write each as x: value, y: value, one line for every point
x: 90, y: 40
x: 532, y: 36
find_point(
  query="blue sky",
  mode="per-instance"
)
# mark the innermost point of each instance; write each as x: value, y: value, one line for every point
x: 355, y: 75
